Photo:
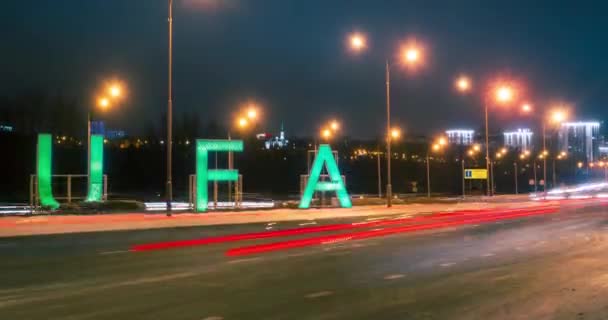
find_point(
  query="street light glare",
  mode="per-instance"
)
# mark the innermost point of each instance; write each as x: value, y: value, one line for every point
x: 357, y: 42
x: 412, y: 55
x: 242, y: 122
x: 526, y: 108
x: 476, y: 147
x: 558, y: 116
x: 334, y: 125
x: 252, y: 113
x: 395, y: 133
x: 463, y: 84
x: 115, y: 91
x: 504, y: 94
x: 442, y: 141
x: 436, y: 147
x: 103, y: 102
x: 326, y: 133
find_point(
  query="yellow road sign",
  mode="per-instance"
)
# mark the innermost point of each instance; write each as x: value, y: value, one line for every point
x: 475, y: 173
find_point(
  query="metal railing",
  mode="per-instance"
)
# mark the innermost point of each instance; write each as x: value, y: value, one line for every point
x: 68, y: 196
x: 238, y: 192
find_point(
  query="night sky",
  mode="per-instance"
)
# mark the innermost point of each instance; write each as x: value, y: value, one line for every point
x: 290, y: 56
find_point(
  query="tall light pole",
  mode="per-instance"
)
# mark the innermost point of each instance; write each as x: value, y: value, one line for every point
x: 411, y: 55
x: 441, y: 142
x: 114, y: 91
x: 503, y: 93
x: 169, y: 185
x: 389, y: 187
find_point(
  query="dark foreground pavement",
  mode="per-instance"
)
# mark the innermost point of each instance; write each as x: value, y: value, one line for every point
x: 545, y: 267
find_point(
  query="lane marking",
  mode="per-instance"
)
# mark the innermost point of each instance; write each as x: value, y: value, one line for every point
x: 488, y: 254
x: 245, y: 260
x: 114, y: 252
x: 319, y: 294
x: 448, y: 264
x: 393, y: 276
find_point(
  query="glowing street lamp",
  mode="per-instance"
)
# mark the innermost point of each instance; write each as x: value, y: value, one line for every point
x: 526, y: 108
x: 463, y: 84
x: 242, y: 122
x: 442, y: 141
x: 558, y: 116
x: 395, y: 133
x: 252, y: 113
x: 334, y: 125
x: 357, y: 42
x: 504, y: 94
x: 326, y: 134
x: 115, y: 91
x: 103, y: 102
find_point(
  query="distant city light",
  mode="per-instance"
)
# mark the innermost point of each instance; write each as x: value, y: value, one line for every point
x: 526, y: 107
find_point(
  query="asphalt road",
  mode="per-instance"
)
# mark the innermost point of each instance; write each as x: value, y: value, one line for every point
x: 545, y: 267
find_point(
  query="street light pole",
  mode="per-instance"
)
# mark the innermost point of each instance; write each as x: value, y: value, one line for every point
x: 544, y: 158
x: 169, y: 186
x: 428, y: 176
x: 88, y: 151
x: 515, y: 175
x: 379, y: 176
x: 462, y: 172
x: 487, y: 150
x: 389, y: 187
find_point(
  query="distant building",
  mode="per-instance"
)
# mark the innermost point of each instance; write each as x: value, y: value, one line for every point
x: 518, y: 139
x: 460, y: 136
x: 6, y: 128
x: 580, y: 139
x: 277, y: 142
x: 115, y: 134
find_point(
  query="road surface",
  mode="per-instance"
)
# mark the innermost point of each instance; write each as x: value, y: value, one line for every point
x: 552, y: 266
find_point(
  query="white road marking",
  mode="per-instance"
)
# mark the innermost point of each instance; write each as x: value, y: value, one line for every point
x: 393, y: 276
x: 448, y: 264
x: 307, y: 223
x: 319, y: 294
x: 244, y: 260
x: 114, y: 252
x: 488, y: 254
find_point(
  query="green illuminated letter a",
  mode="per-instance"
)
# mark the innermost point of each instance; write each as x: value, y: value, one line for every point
x: 326, y: 157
